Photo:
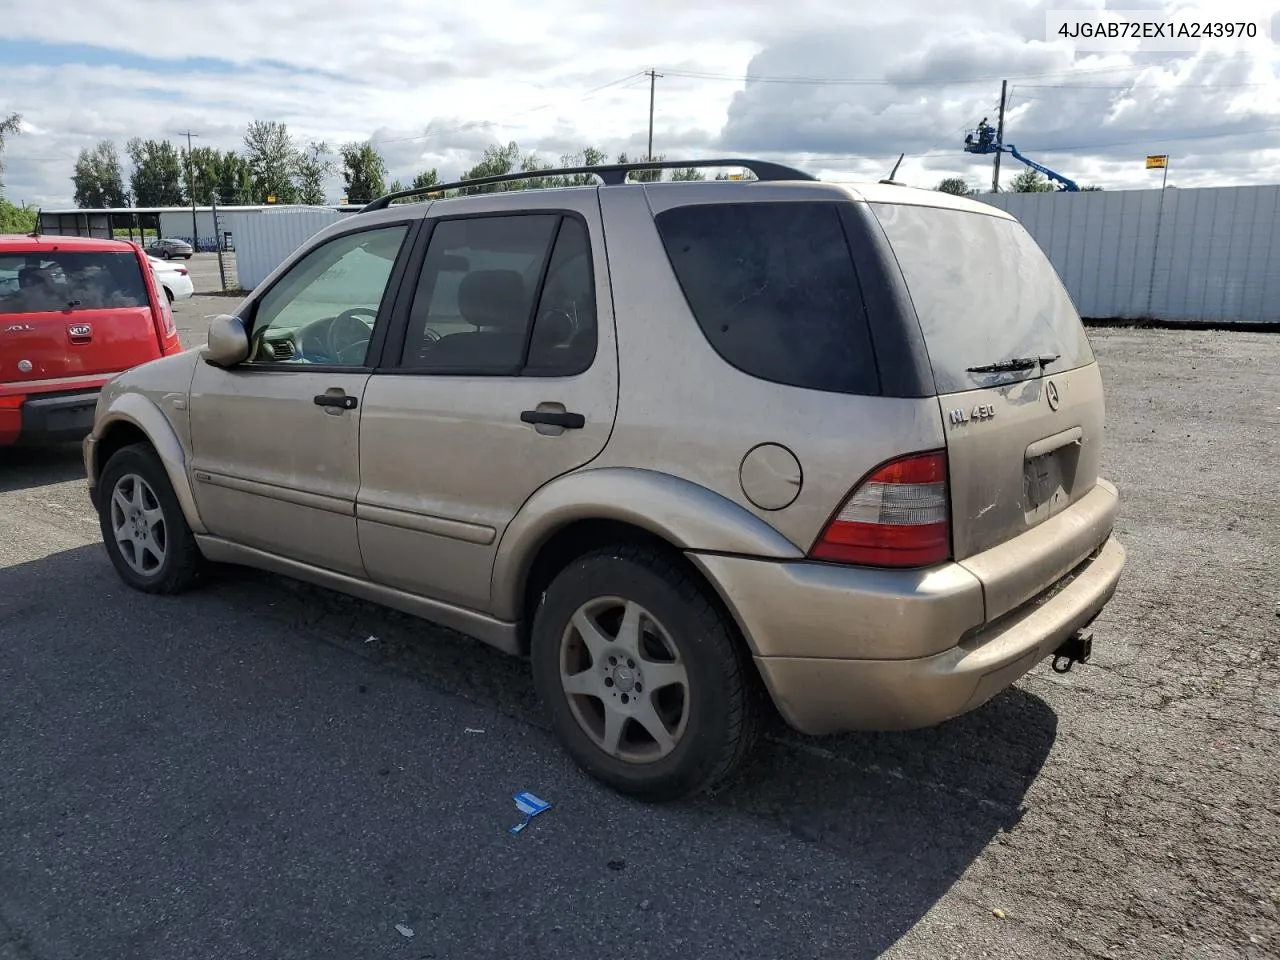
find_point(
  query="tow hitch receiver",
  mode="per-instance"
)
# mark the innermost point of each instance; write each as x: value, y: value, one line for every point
x: 1077, y: 648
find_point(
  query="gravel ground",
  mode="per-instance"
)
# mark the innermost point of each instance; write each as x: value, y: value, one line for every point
x: 266, y: 769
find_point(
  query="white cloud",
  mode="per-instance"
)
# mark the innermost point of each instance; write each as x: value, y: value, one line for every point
x: 434, y: 88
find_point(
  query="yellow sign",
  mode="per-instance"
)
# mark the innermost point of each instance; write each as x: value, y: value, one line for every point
x: 271, y: 198
x: 1155, y: 163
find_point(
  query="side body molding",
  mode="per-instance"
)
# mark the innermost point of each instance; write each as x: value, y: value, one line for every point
x: 685, y: 514
x: 140, y: 411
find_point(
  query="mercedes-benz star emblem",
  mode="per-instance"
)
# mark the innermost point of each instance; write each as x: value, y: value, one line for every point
x: 1051, y: 393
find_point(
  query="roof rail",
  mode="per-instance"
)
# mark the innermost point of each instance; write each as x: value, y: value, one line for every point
x: 613, y: 174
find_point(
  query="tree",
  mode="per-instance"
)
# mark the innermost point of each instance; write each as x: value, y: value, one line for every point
x: 688, y: 173
x: 427, y: 178
x: 643, y: 176
x: 364, y: 172
x: 98, y: 179
x: 235, y: 179
x: 9, y: 126
x: 273, y: 161
x: 217, y: 174
x: 204, y: 164
x: 1031, y: 181
x: 314, y: 166
x: 957, y: 186
x: 1090, y: 189
x: 495, y: 161
x: 157, y: 173
x: 16, y: 219
x: 586, y: 157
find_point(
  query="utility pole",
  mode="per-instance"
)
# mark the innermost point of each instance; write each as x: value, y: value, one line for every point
x: 652, y: 83
x: 995, y: 173
x: 191, y: 189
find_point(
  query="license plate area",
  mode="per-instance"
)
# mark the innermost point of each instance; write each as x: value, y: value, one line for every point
x: 1047, y: 482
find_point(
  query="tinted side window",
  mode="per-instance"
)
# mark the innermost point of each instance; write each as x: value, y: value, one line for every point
x: 984, y: 292
x: 772, y: 285
x: 474, y: 299
x: 564, y: 331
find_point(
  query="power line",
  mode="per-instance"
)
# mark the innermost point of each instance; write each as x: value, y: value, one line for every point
x: 934, y: 81
x: 484, y: 124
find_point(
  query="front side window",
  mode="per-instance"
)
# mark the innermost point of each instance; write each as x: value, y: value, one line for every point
x: 323, y: 310
x: 60, y: 281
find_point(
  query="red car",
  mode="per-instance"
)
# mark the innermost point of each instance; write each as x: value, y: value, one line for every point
x: 74, y: 312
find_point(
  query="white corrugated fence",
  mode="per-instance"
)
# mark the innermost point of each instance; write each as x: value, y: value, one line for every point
x: 1210, y: 255
x: 263, y: 240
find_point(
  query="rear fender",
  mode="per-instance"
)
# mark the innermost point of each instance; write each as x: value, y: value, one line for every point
x: 141, y: 412
x: 685, y: 514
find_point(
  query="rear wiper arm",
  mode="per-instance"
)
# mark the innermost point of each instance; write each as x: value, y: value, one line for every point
x: 1017, y: 363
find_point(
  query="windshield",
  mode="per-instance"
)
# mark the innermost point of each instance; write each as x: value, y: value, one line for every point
x: 984, y: 293
x: 51, y: 282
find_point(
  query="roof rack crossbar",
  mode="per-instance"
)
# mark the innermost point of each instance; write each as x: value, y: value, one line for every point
x: 613, y: 174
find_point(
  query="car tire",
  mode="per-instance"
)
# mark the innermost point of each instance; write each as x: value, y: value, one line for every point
x: 143, y: 528
x: 681, y: 632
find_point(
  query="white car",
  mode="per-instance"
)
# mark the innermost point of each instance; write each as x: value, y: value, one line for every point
x: 175, y: 280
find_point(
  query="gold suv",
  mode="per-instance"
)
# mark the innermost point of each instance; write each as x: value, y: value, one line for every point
x: 690, y: 447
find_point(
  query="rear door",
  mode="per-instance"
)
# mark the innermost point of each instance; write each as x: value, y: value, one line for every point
x: 506, y: 377
x: 71, y: 313
x: 1022, y: 445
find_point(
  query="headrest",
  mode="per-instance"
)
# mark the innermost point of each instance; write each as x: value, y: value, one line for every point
x: 493, y: 298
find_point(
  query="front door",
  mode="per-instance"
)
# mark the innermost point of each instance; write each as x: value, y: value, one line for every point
x: 276, y: 439
x: 507, y: 378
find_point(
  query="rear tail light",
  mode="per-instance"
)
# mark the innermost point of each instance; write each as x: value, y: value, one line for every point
x: 897, y: 517
x: 170, y: 326
x: 181, y: 270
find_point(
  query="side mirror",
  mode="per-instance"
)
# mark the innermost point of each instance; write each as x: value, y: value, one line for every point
x: 228, y: 341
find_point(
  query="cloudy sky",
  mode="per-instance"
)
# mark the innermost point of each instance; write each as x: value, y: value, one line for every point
x: 838, y: 89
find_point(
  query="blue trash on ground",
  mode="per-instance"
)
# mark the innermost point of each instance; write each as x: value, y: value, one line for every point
x: 530, y: 806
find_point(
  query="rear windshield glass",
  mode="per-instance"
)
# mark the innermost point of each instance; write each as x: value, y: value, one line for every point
x: 984, y: 292
x: 772, y: 286
x: 64, y: 280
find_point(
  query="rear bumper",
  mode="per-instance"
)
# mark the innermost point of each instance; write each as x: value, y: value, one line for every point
x: 181, y: 287
x: 853, y: 648
x: 820, y: 696
x: 44, y: 419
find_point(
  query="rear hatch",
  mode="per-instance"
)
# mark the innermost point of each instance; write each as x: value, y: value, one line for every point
x: 73, y: 313
x: 1023, y: 441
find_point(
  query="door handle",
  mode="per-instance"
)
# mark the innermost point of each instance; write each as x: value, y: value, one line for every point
x: 340, y: 400
x: 570, y: 421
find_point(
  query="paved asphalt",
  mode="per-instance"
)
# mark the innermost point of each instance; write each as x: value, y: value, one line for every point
x: 264, y: 769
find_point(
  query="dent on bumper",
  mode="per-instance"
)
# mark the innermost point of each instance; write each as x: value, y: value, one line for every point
x: 820, y: 695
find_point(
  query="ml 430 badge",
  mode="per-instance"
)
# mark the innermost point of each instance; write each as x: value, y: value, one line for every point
x: 983, y: 411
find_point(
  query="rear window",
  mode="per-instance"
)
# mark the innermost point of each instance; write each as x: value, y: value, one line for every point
x: 772, y: 286
x: 984, y: 292
x: 51, y: 282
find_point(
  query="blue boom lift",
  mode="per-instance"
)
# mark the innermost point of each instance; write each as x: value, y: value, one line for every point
x: 983, y: 141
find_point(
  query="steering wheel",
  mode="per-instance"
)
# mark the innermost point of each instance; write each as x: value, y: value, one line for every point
x: 352, y: 319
